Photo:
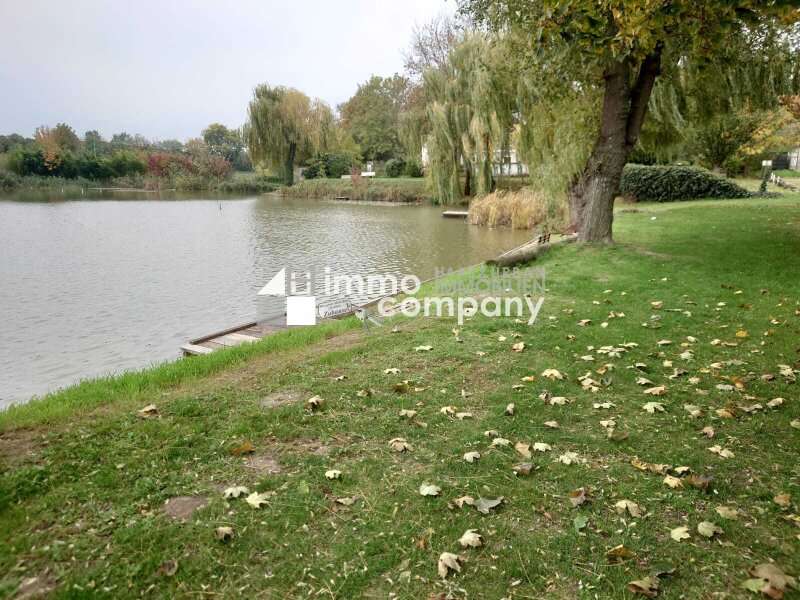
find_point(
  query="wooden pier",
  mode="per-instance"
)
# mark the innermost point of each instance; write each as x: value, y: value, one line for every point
x: 455, y: 214
x: 241, y: 334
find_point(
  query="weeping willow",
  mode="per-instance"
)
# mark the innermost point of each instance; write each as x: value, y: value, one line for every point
x: 469, y: 111
x: 286, y: 126
x: 707, y: 110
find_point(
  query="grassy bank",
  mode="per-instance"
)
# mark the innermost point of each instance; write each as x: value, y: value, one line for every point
x: 698, y: 297
x: 369, y: 189
x: 238, y: 183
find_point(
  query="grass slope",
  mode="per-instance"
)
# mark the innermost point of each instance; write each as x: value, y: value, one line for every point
x: 82, y: 502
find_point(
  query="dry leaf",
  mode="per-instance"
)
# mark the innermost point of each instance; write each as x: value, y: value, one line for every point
x: 471, y: 457
x: 618, y: 554
x: 646, y: 587
x: 428, y: 489
x: 484, y: 505
x: 673, y: 482
x: 726, y: 512
x: 498, y: 441
x: 631, y: 508
x: 314, y: 403
x: 709, y: 529
x: 679, y: 534
x: 541, y: 447
x: 148, y: 412
x: 224, y: 534
x: 448, y: 562
x: 653, y: 407
x: 523, y: 449
x: 522, y: 469
x: 510, y: 410
x: 659, y: 390
x: 552, y: 374
x: 577, y: 497
x: 518, y: 347
x: 471, y: 539
x: 235, y: 491
x: 399, y: 445
x: 423, y: 348
x: 244, y: 448
x: 257, y: 500
x: 333, y: 474
x: 391, y: 371
x: 408, y: 414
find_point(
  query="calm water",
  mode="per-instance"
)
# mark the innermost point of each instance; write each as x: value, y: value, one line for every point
x: 89, y: 288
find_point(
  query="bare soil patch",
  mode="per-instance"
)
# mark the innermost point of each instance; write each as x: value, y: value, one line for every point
x: 182, y: 507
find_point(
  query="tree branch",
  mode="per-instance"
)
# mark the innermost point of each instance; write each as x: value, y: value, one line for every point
x: 640, y: 94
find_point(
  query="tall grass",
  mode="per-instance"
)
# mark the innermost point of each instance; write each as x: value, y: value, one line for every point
x: 386, y: 190
x: 518, y: 209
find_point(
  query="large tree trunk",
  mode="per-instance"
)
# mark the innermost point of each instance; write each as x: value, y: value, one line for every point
x: 592, y: 194
x: 288, y: 166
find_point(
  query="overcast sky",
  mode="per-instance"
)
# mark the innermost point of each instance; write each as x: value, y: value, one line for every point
x: 168, y: 68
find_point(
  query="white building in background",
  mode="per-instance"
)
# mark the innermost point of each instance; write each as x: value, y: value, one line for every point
x: 509, y: 164
x: 794, y: 159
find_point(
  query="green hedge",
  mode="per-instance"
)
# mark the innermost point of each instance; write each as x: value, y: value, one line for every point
x: 659, y: 183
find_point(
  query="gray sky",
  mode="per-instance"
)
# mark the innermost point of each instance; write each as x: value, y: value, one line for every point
x: 168, y: 68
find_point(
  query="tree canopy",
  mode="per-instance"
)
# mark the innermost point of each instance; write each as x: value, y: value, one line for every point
x: 286, y: 126
x: 618, y: 48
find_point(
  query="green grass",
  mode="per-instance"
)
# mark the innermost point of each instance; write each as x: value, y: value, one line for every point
x: 83, y: 485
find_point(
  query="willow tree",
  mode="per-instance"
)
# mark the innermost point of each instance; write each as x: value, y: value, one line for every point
x: 709, y: 109
x: 619, y: 47
x: 469, y: 109
x: 285, y: 127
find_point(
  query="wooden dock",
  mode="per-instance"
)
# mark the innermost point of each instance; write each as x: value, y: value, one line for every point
x: 241, y: 334
x: 455, y: 214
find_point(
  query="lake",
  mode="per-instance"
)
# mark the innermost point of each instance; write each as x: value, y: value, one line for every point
x: 94, y: 287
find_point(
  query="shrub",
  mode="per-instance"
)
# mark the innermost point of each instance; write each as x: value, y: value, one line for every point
x: 9, y: 181
x: 328, y: 164
x: 671, y: 183
x: 395, y: 167
x: 413, y: 168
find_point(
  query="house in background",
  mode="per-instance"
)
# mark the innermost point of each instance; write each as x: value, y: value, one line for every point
x: 507, y: 163
x: 794, y: 159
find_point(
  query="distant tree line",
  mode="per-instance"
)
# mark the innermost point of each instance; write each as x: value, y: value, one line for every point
x: 59, y: 152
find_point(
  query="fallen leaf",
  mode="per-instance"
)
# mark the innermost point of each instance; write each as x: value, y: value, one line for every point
x: 542, y: 447
x: 510, y: 410
x: 148, y: 412
x: 428, y: 489
x: 709, y: 529
x: 423, y: 348
x: 399, y: 445
x: 498, y: 441
x: 347, y: 500
x: 471, y: 539
x: 551, y: 424
x: 618, y: 554
x: 673, y: 482
x: 333, y: 474
x: 518, y: 347
x: 721, y: 452
x: 783, y: 500
x: 552, y: 374
x: 408, y: 414
x: 257, y: 500
x: 244, y: 448
x: 630, y: 507
x: 679, y: 534
x: 235, y: 491
x: 659, y: 390
x: 484, y: 505
x: 770, y: 580
x: 314, y: 403
x: 471, y: 457
x: 569, y: 458
x: 223, y: 534
x: 448, y: 562
x: 577, y: 497
x: 391, y: 371
x: 726, y: 512
x: 523, y: 449
x: 522, y: 469
x: 653, y: 407
x: 645, y: 587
